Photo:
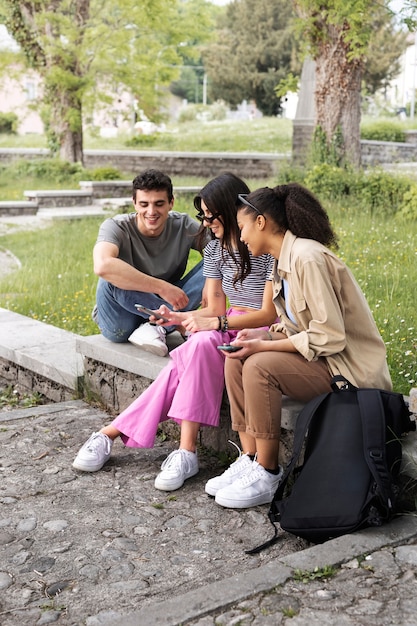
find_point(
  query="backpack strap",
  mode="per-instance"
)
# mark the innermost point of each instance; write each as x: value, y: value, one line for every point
x: 303, y: 422
x: 374, y: 440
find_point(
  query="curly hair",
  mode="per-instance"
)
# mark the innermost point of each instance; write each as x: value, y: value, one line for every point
x: 293, y: 207
x: 153, y: 180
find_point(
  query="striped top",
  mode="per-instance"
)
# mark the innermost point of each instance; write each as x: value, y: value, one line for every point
x: 218, y: 264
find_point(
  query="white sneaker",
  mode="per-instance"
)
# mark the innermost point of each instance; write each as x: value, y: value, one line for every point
x: 151, y: 338
x: 177, y: 467
x: 237, y: 469
x: 94, y: 453
x: 255, y: 487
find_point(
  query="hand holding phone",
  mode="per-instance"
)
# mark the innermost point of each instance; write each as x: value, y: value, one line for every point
x: 155, y: 314
x: 229, y: 348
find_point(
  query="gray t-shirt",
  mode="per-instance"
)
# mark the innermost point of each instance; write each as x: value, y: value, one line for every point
x: 163, y: 257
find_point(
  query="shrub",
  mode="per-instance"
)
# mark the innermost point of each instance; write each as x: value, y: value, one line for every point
x: 50, y: 169
x: 8, y: 123
x: 330, y: 182
x: 105, y: 173
x: 142, y: 140
x: 408, y: 208
x: 382, y: 192
x: 383, y: 130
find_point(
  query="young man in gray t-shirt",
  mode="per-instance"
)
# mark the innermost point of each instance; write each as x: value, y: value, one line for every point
x: 140, y: 258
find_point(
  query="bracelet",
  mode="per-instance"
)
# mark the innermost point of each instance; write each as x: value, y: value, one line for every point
x: 220, y: 322
x: 224, y: 325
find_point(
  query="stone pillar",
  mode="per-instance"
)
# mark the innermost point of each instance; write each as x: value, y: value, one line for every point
x: 305, y: 116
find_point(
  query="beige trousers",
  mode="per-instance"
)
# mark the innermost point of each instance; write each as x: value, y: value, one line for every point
x: 255, y: 387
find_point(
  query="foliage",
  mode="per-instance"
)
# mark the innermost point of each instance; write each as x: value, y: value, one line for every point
x: 338, y: 34
x: 383, y: 130
x: 324, y: 150
x: 48, y: 169
x: 252, y: 51
x: 8, y: 123
x: 142, y: 141
x: 383, y: 57
x: 11, y: 397
x: 105, y: 173
x: 86, y: 60
x: 408, y: 207
x: 381, y: 192
x: 318, y: 573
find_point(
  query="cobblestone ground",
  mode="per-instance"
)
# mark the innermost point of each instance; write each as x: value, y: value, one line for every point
x: 380, y: 590
x: 76, y: 544
x: 86, y: 549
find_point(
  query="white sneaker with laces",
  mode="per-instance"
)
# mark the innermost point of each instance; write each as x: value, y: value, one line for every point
x: 237, y: 469
x: 177, y: 467
x: 255, y: 487
x: 151, y: 338
x: 94, y: 453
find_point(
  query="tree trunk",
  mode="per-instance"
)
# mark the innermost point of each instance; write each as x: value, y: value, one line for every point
x: 72, y: 147
x: 66, y: 123
x: 337, y: 94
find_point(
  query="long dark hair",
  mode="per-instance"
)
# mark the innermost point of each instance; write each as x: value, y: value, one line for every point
x: 295, y: 208
x: 220, y: 197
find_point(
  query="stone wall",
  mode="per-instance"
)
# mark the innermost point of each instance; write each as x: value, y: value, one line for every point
x: 203, y: 164
x: 31, y: 382
x: 208, y: 165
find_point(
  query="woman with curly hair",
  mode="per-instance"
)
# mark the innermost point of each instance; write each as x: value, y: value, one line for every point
x: 326, y: 328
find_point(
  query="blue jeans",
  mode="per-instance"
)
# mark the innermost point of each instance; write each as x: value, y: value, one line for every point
x: 116, y: 312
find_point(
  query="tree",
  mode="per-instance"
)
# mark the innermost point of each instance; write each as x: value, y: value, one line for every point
x: 337, y: 35
x: 87, y: 50
x: 252, y: 52
x: 386, y: 45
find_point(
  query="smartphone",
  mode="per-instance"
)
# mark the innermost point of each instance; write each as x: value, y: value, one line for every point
x: 229, y: 348
x: 144, y: 309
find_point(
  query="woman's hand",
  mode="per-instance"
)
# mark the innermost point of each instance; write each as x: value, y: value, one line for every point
x: 175, y: 318
x: 194, y: 322
x: 250, y: 340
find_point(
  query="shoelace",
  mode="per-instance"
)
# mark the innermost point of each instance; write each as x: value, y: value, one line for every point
x: 96, y: 442
x: 176, y: 459
x: 235, y: 466
x: 254, y: 473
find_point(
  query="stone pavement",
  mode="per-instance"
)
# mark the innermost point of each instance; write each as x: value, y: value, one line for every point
x: 107, y: 549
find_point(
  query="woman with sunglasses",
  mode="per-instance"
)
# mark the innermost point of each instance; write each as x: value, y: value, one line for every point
x: 326, y: 328
x: 189, y: 389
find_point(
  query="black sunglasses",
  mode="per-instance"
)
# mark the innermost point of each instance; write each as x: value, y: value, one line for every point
x: 203, y: 218
x: 242, y: 197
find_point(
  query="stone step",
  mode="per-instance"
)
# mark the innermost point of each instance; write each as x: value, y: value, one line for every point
x: 59, y: 197
x: 18, y: 207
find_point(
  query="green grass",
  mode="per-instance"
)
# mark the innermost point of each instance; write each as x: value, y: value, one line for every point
x: 267, y: 134
x: 56, y: 283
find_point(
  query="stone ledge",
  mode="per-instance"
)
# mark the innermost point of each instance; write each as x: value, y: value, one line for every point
x: 59, y: 197
x: 40, y: 348
x: 18, y: 207
x: 117, y: 373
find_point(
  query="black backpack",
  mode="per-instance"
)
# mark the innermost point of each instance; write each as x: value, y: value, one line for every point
x: 352, y: 457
